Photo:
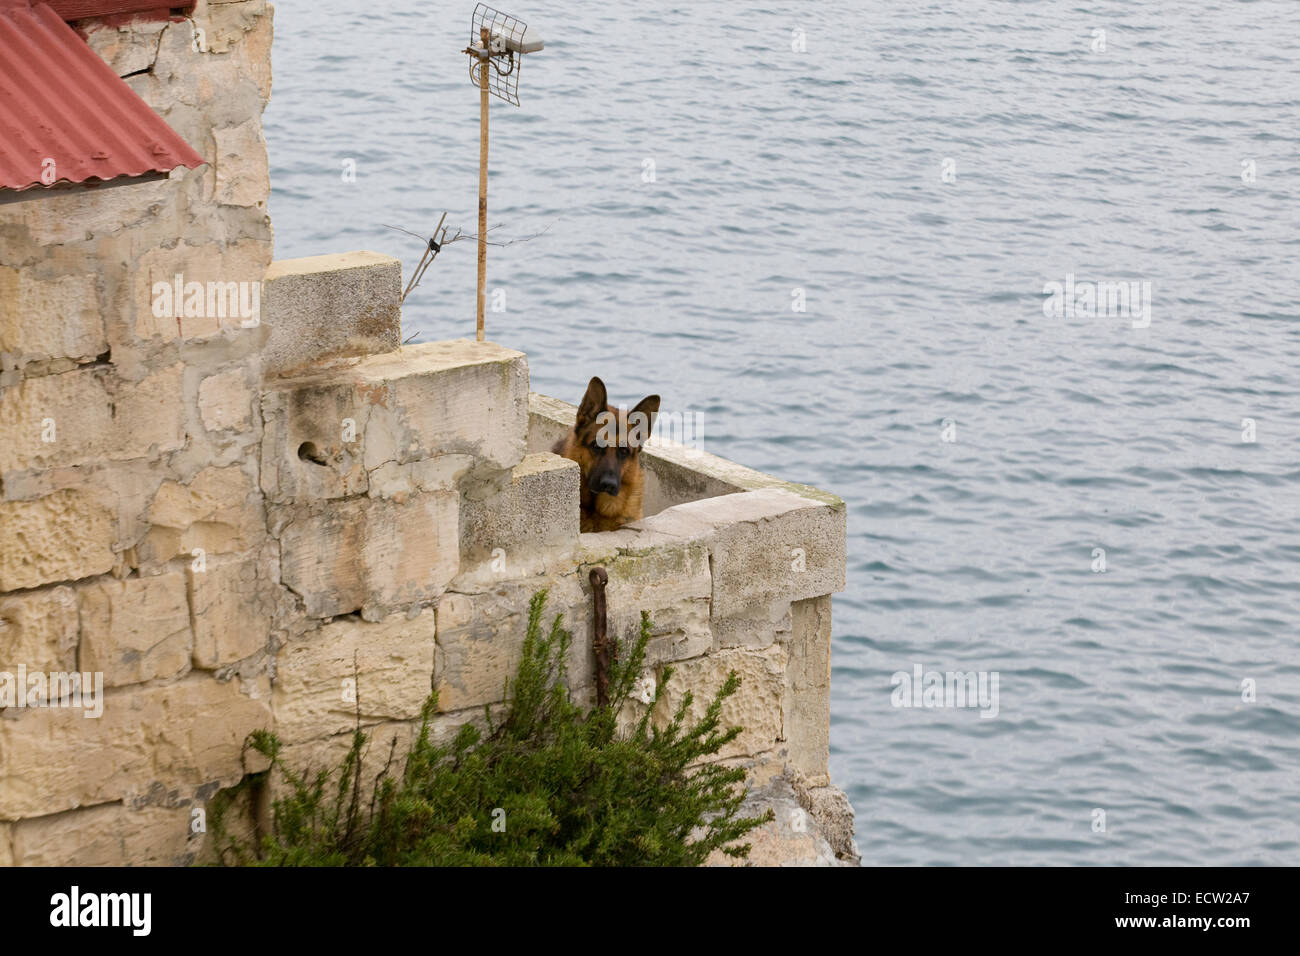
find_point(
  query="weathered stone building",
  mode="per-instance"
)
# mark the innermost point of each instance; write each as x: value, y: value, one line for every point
x: 224, y: 485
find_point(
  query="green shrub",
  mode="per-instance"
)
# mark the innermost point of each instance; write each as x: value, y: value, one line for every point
x: 551, y: 784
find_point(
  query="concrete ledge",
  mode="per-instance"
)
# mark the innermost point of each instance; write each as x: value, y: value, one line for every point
x: 326, y: 307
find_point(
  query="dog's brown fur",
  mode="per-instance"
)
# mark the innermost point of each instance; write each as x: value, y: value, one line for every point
x: 612, y: 480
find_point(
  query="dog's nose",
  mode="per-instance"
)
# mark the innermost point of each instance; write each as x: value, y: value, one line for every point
x: 606, y: 484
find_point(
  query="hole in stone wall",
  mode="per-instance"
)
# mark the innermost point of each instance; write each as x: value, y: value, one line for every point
x: 308, y: 451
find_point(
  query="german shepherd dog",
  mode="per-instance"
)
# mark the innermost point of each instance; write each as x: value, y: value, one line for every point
x: 606, y: 443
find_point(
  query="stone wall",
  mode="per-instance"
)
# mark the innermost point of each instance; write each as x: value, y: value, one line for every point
x: 246, y: 525
x: 133, y: 538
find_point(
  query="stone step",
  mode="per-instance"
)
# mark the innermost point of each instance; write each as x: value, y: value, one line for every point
x: 330, y: 431
x: 534, y: 513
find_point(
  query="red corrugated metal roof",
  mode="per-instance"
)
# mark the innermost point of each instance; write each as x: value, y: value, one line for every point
x: 59, y: 101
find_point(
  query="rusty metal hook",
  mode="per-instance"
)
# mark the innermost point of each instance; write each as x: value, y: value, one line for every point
x: 600, y: 643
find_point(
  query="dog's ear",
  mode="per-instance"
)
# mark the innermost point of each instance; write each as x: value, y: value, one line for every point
x: 641, y: 420
x: 593, y: 403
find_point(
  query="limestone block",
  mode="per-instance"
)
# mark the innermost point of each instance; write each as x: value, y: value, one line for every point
x: 756, y: 706
x: 136, y: 629
x: 760, y: 627
x: 807, y: 704
x: 769, y: 546
x: 221, y: 289
x: 383, y: 671
x: 226, y: 22
x: 127, y: 47
x: 149, y: 416
x: 425, y: 401
x: 243, y: 177
x: 480, y: 637
x: 225, y: 401
x: 206, y: 66
x: 108, y: 835
x: 793, y: 836
x: 43, y: 319
x: 6, y: 844
x: 672, y: 582
x: 444, y: 727
x: 219, y: 511
x: 538, y: 510
x: 123, y: 488
x: 248, y: 814
x: 310, y: 756
x: 55, y: 420
x: 39, y: 629
x: 549, y: 420
x: 602, y: 547
x: 88, y: 416
x: 179, y: 735
x: 73, y: 216
x: 325, y: 307
x: 312, y: 444
x: 674, y: 476
x: 253, y: 52
x: 368, y: 554
x: 833, y: 813
x: 61, y: 537
x: 391, y: 480
x: 456, y: 397
x: 233, y: 605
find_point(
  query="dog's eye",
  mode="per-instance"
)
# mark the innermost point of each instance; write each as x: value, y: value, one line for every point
x: 623, y: 452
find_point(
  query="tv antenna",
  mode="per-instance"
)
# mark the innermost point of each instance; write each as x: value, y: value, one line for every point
x: 497, y: 44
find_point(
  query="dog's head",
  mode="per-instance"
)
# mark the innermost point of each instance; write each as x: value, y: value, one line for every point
x: 608, y: 440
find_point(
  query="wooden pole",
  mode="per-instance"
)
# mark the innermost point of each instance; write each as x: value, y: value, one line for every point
x: 483, y: 66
